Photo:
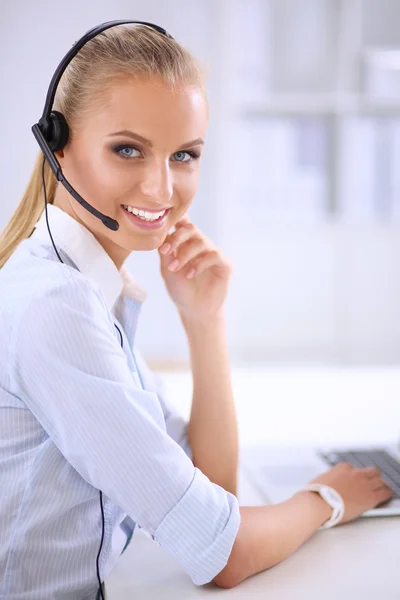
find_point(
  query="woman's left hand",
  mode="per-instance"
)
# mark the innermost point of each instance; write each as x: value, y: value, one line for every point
x: 199, y: 279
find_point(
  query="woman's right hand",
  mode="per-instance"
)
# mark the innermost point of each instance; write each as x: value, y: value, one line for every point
x: 361, y: 489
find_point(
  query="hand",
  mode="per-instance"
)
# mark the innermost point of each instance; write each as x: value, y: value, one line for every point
x: 198, y: 284
x: 361, y: 489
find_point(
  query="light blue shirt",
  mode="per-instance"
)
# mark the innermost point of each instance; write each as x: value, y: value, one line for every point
x: 74, y: 420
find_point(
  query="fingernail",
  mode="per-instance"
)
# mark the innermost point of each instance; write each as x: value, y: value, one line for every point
x: 191, y: 273
x: 173, y: 265
x: 165, y: 248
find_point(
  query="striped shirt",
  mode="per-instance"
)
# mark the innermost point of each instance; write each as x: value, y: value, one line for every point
x: 79, y: 414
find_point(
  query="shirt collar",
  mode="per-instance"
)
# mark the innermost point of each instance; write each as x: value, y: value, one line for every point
x: 88, y: 255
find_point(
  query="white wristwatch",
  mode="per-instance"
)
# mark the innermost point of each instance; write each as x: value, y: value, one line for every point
x: 331, y: 497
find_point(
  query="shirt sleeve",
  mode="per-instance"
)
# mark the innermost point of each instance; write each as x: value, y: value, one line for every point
x: 176, y: 424
x: 72, y: 373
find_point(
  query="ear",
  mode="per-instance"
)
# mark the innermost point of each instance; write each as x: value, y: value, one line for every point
x: 60, y: 156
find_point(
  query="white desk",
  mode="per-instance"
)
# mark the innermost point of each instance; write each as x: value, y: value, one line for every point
x: 356, y: 561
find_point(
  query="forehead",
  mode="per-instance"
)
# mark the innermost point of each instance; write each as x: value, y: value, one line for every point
x: 153, y: 110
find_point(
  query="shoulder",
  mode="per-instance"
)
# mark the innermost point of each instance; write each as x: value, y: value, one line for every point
x: 66, y: 293
x: 54, y: 299
x: 63, y: 318
x: 31, y: 281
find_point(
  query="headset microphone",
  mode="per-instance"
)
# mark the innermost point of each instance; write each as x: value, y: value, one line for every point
x: 52, y: 131
x: 56, y: 168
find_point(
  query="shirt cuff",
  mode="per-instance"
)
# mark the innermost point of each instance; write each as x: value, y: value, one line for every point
x: 201, y: 529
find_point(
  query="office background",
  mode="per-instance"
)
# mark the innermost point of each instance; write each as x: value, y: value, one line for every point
x: 300, y: 180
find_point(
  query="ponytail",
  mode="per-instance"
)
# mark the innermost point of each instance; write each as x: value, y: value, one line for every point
x: 29, y: 209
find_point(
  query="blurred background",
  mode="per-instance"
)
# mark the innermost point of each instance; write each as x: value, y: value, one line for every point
x: 300, y: 177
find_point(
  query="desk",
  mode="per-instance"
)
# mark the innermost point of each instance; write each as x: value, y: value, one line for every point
x: 356, y: 561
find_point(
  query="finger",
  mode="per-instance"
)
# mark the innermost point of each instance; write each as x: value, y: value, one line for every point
x: 184, y: 220
x: 206, y: 260
x: 370, y: 472
x: 383, y: 495
x: 344, y: 465
x: 177, y: 238
x: 382, y: 485
x: 187, y: 252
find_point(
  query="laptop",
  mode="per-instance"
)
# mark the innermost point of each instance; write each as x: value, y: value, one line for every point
x: 278, y: 473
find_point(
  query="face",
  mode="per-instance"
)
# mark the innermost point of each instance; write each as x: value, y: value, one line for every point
x: 140, y: 150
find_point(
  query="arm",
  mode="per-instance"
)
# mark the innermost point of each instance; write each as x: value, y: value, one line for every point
x: 212, y: 429
x: 71, y: 372
x: 269, y: 534
x: 197, y: 277
x: 175, y: 422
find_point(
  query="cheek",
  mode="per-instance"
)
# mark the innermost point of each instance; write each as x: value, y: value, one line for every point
x: 99, y: 176
x: 187, y: 187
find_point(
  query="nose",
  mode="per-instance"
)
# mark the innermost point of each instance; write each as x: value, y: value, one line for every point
x: 157, y: 182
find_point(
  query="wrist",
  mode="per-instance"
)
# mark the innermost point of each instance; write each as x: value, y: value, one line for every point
x: 320, y: 506
x: 332, y: 498
x: 210, y: 321
x: 206, y: 337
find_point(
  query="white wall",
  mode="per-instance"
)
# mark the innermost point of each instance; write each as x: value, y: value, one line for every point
x: 313, y: 231
x: 322, y: 295
x: 326, y: 290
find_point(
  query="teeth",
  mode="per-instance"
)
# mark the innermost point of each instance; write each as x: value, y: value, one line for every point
x: 142, y: 214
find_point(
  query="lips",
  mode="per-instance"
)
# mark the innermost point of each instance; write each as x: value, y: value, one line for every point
x: 142, y: 224
x: 149, y: 210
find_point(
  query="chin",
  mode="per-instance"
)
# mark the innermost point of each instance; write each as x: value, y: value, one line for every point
x: 152, y: 243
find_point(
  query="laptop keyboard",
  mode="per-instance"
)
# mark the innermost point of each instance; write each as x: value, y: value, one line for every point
x: 389, y: 466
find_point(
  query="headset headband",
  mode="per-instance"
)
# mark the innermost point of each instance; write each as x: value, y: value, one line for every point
x: 43, y: 121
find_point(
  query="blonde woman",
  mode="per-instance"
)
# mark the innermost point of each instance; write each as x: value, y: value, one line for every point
x: 89, y: 447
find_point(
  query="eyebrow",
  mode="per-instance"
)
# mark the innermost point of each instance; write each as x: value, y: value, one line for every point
x: 139, y: 138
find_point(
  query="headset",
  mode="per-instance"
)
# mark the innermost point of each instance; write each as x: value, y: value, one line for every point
x: 52, y: 133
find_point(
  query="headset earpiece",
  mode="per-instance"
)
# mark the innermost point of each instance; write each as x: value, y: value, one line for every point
x: 57, y: 131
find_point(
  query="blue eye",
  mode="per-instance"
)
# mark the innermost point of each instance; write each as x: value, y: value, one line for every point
x: 127, y: 151
x: 124, y: 151
x: 181, y: 154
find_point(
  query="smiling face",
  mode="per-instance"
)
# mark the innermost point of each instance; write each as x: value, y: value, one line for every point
x: 140, y: 149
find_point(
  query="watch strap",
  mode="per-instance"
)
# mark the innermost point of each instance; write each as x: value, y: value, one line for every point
x: 331, y: 497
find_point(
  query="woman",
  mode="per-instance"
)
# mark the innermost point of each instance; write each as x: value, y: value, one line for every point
x: 81, y: 412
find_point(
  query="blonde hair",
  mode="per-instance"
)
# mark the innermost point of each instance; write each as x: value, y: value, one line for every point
x: 119, y: 52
